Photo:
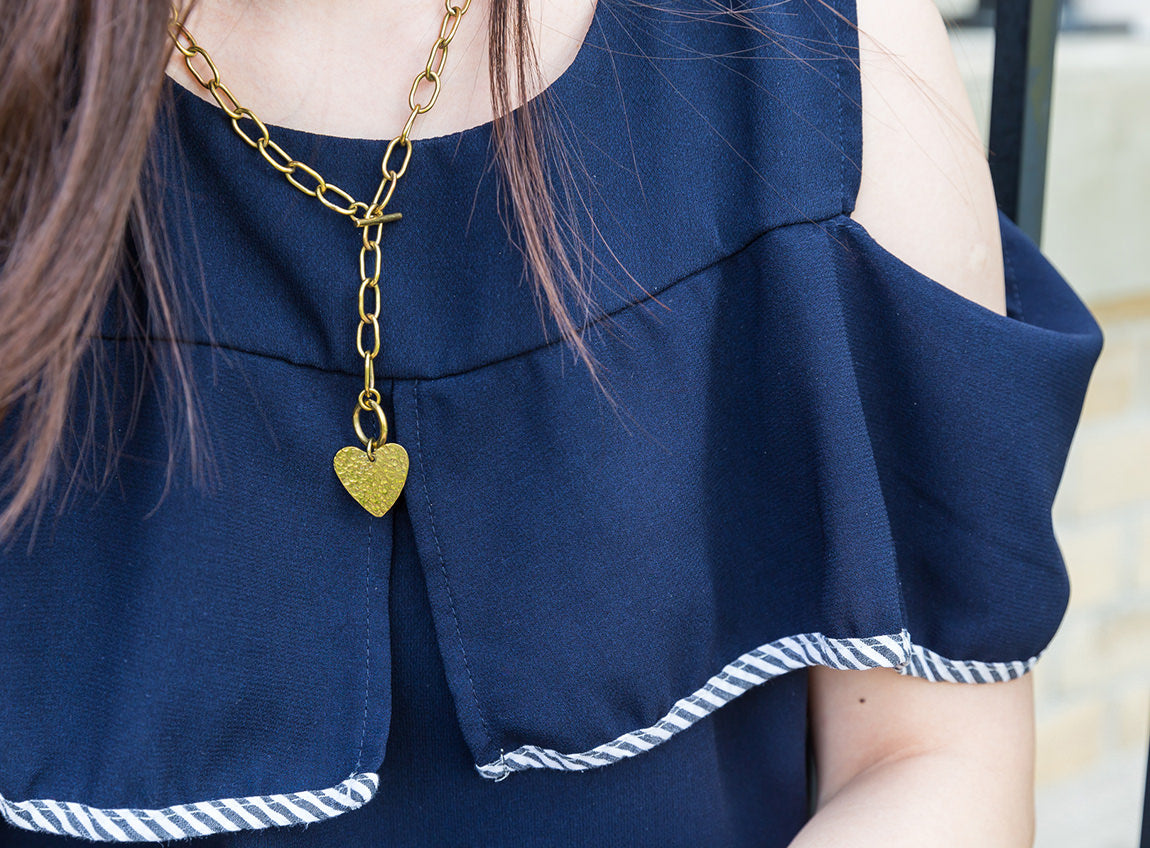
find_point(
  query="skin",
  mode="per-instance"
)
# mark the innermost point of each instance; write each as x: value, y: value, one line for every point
x: 901, y: 761
x: 299, y: 74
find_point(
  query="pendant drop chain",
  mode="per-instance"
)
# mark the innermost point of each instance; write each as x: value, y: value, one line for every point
x: 375, y: 475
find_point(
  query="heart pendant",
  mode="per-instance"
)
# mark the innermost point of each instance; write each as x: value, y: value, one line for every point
x: 375, y: 483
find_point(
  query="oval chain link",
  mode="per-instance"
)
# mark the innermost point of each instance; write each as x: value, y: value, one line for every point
x: 369, y: 217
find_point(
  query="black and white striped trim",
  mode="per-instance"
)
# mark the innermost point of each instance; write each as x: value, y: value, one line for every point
x: 751, y: 669
x: 67, y: 818
x: 926, y: 663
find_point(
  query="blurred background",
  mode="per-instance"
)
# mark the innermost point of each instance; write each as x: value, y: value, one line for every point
x: 1093, y: 684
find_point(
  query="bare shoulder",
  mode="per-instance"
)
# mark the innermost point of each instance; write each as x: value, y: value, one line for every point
x: 926, y: 194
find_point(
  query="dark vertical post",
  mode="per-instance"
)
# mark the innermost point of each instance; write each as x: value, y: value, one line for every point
x: 1025, y: 32
x: 1145, y: 842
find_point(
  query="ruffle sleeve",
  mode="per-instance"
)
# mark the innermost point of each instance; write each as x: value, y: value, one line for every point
x: 969, y: 415
x: 818, y: 456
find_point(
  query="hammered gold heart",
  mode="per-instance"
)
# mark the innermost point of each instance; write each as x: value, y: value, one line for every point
x: 375, y: 483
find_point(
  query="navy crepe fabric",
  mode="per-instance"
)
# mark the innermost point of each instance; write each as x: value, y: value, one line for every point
x: 807, y: 436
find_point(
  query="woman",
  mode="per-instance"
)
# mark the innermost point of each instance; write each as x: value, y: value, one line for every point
x: 828, y: 451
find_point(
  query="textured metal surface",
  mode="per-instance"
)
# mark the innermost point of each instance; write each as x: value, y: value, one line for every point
x: 375, y: 483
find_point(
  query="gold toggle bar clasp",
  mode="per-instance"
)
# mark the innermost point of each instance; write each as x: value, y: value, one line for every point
x: 378, y: 219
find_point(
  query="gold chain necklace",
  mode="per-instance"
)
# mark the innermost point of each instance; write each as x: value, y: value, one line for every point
x: 373, y: 476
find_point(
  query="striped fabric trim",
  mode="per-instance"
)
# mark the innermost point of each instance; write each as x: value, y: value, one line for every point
x: 67, y: 818
x: 756, y: 667
x: 926, y: 663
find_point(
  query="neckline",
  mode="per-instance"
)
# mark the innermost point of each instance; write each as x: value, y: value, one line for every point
x: 182, y: 96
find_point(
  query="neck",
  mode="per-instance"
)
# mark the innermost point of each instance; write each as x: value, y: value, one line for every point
x: 344, y: 67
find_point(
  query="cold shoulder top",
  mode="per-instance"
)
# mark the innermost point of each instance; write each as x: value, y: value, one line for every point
x: 586, y: 621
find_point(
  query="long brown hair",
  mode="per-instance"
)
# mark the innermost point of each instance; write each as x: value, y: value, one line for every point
x: 82, y: 83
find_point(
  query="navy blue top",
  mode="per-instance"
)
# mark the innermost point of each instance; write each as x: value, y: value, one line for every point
x: 583, y: 622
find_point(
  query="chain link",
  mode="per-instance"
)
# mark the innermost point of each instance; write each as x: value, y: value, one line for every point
x: 369, y: 217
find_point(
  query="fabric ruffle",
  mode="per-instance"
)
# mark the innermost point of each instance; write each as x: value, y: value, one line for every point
x: 601, y: 577
x: 812, y: 455
x: 877, y: 495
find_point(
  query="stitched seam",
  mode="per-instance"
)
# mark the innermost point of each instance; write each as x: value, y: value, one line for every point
x: 367, y: 650
x: 850, y: 163
x: 443, y: 571
x: 181, y: 821
x: 230, y: 348
x: 836, y: 269
x: 844, y: 200
x: 754, y: 668
x: 1012, y: 280
x: 818, y: 222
